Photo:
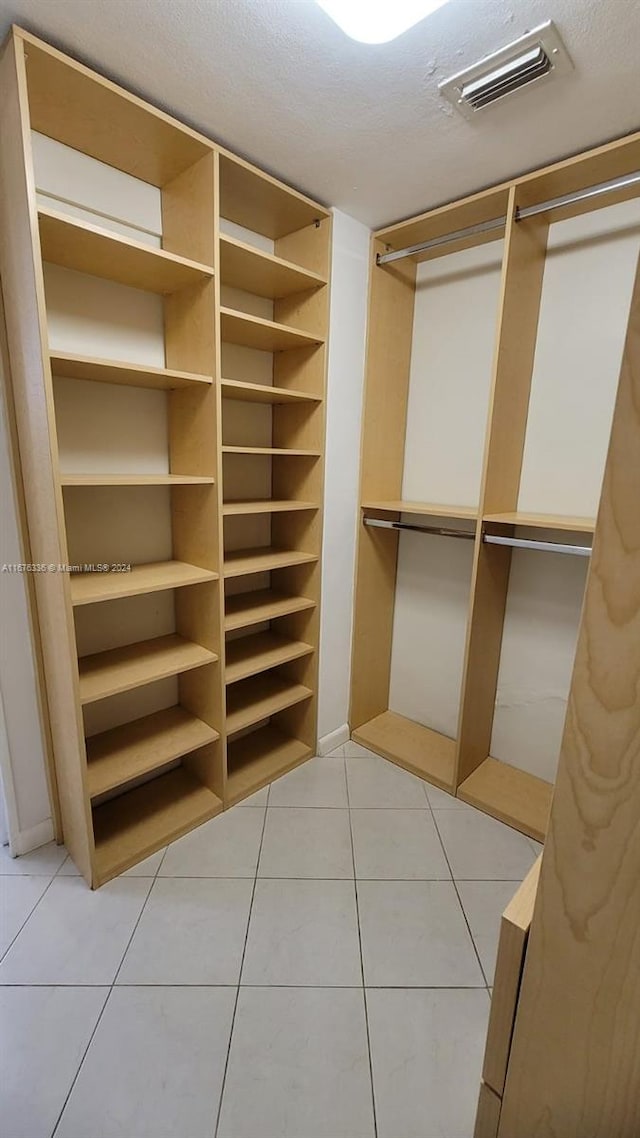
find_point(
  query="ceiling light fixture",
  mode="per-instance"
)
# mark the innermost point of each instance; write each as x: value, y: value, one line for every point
x: 378, y: 21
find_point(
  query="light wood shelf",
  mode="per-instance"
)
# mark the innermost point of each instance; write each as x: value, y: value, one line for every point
x: 121, y: 754
x: 418, y: 749
x: 253, y: 654
x: 263, y: 274
x: 259, y: 697
x: 264, y: 393
x: 89, y: 588
x: 275, y: 452
x: 544, y: 521
x: 259, y: 758
x: 266, y: 335
x: 120, y: 669
x: 244, y: 609
x: 87, y: 248
x: 241, y: 562
x: 266, y: 506
x: 511, y: 795
x: 251, y: 198
x: 135, y: 480
x: 73, y: 366
x: 429, y: 509
x: 136, y: 824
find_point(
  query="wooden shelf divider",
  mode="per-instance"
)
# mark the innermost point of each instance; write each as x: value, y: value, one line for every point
x: 121, y: 754
x: 73, y: 366
x: 264, y: 393
x: 74, y: 244
x: 511, y: 795
x: 264, y: 559
x: 244, y: 609
x: 91, y: 587
x: 252, y: 700
x: 136, y: 824
x: 418, y: 749
x: 103, y: 674
x: 266, y: 506
x: 135, y: 480
x: 253, y: 654
x: 245, y: 267
x: 265, y: 335
x: 259, y: 758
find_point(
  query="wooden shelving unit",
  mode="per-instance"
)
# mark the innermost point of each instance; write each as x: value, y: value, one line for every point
x: 465, y: 765
x: 130, y: 781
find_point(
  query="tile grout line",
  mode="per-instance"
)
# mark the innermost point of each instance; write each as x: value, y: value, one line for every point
x: 364, y: 990
x: 455, y: 886
x: 238, y: 986
x: 31, y: 911
x: 110, y: 986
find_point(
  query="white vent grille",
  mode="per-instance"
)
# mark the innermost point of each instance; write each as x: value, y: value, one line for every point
x: 534, y: 58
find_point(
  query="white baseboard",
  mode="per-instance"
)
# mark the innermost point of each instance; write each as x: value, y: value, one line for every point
x: 334, y: 739
x: 28, y: 840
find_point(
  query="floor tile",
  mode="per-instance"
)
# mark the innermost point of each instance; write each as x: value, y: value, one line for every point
x: 45, y: 860
x: 76, y: 936
x: 336, y: 753
x: 45, y: 1032
x: 414, y: 935
x: 192, y: 931
x: 303, y: 932
x: 484, y: 903
x: 298, y: 1066
x: 375, y: 783
x: 479, y: 848
x: 155, y: 1066
x: 227, y: 846
x: 258, y: 799
x: 397, y: 844
x: 426, y: 1052
x: 440, y: 800
x: 301, y: 842
x: 537, y: 847
x: 18, y: 898
x: 319, y: 782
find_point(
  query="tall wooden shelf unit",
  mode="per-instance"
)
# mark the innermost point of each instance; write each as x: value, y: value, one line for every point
x: 245, y: 712
x: 462, y: 765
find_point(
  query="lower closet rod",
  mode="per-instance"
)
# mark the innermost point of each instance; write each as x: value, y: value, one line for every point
x: 549, y: 546
x: 384, y: 523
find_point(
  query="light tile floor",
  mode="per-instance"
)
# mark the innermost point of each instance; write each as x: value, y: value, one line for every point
x: 316, y: 963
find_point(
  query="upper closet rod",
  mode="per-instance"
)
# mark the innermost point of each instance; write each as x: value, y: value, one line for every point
x: 521, y: 214
x: 441, y: 531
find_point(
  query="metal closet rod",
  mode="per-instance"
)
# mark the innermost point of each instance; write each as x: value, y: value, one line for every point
x: 489, y: 538
x: 441, y: 531
x: 520, y: 215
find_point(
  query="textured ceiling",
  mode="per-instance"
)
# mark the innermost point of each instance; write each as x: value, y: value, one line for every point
x: 361, y: 127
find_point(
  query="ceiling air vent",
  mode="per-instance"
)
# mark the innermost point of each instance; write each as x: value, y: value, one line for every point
x: 534, y: 58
